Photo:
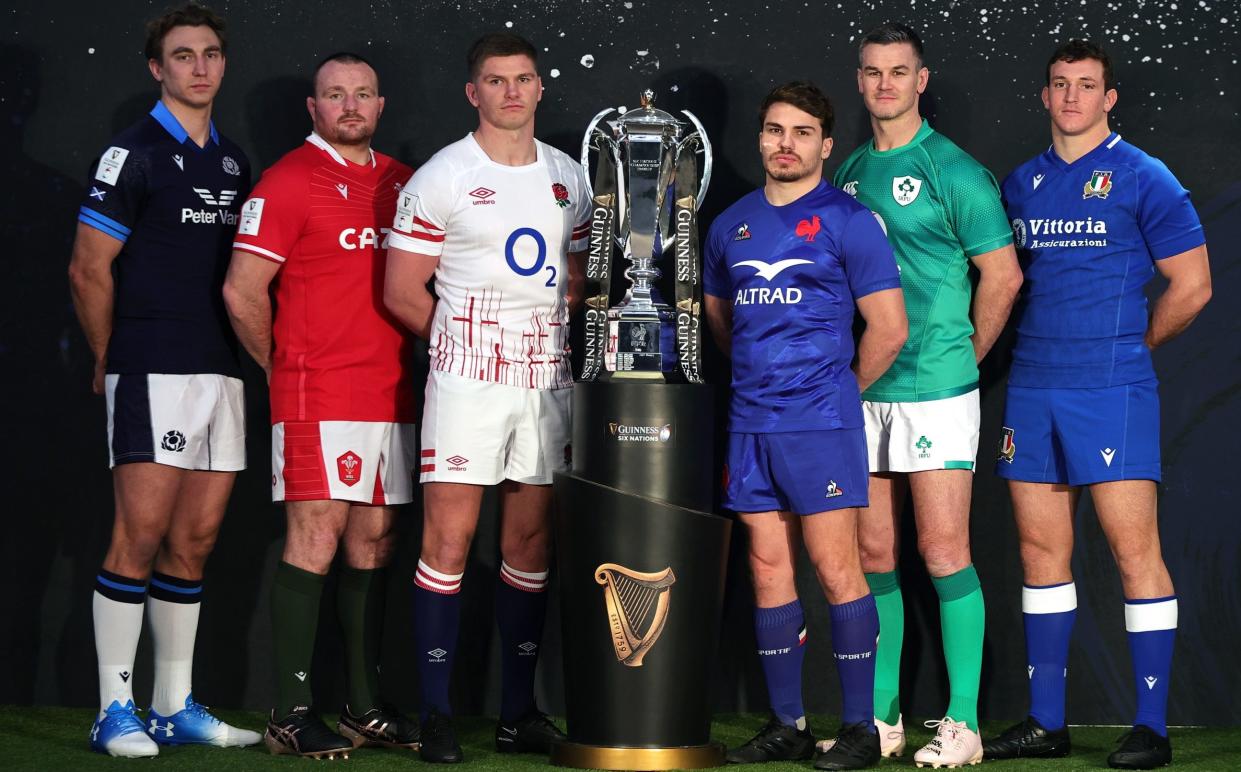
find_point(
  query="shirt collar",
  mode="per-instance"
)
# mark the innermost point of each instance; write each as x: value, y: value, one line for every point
x: 322, y: 144
x: 171, y: 125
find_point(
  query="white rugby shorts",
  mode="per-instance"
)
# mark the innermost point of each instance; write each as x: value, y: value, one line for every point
x: 368, y: 462
x: 920, y: 436
x: 480, y: 432
x: 193, y: 421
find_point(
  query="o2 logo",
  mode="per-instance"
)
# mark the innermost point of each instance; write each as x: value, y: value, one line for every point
x: 529, y: 270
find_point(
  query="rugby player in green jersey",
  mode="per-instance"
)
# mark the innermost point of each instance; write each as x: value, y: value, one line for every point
x: 941, y: 210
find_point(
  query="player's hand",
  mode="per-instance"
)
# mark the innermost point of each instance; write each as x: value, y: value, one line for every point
x: 97, y: 382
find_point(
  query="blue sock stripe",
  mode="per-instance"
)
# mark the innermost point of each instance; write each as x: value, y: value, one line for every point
x: 185, y: 588
x: 1047, y: 586
x: 1144, y: 601
x: 172, y: 589
x: 120, y: 588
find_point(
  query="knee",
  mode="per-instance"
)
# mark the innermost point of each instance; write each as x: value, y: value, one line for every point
x: 188, y: 552
x: 447, y: 552
x: 133, y: 551
x: 1136, y: 561
x: 1042, y: 556
x: 370, y: 551
x: 943, y: 556
x: 877, y: 556
x: 312, y: 544
x: 529, y: 548
x: 770, y: 572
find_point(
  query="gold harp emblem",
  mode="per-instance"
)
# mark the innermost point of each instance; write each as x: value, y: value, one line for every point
x: 637, y: 608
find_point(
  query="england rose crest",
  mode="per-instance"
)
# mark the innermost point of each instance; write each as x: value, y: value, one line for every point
x: 562, y: 195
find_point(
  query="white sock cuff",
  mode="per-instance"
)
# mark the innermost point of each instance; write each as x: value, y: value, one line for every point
x: 429, y: 579
x: 1056, y: 599
x: 530, y: 581
x: 1144, y: 616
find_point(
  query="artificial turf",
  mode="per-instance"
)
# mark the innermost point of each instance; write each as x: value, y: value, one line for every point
x: 43, y: 738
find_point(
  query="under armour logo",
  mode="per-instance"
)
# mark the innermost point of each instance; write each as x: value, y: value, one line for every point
x: 166, y: 728
x: 1151, y: 681
x: 124, y: 674
x: 344, y: 189
x: 97, y: 193
x: 300, y: 675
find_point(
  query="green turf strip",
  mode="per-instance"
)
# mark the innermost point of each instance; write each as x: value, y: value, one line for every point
x: 56, y: 739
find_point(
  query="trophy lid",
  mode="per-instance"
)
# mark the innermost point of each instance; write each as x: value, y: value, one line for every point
x: 647, y: 117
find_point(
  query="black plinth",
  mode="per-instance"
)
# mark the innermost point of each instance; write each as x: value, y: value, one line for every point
x: 637, y: 499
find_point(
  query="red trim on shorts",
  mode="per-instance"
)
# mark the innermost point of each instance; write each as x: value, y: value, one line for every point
x: 305, y: 475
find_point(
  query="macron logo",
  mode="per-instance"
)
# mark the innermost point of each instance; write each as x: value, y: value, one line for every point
x: 1107, y: 454
x: 1037, y: 179
x: 770, y: 271
x: 1151, y: 681
x: 343, y: 189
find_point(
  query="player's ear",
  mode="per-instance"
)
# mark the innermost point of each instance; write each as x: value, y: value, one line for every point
x: 539, y: 79
x: 471, y: 93
x: 924, y: 77
x: 1045, y: 95
x: 827, y: 148
x: 157, y: 71
x: 860, y: 89
x: 1109, y: 100
x: 381, y: 108
x: 310, y: 108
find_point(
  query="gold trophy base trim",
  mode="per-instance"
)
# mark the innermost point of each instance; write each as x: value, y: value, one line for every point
x: 569, y: 754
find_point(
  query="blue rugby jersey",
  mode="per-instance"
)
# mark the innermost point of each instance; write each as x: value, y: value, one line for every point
x: 792, y: 274
x: 175, y: 206
x: 1087, y: 234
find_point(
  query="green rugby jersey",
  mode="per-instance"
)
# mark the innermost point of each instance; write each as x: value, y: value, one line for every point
x: 939, y: 208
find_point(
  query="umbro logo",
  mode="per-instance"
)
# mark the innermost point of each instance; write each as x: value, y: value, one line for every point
x: 124, y: 674
x: 97, y: 193
x: 482, y: 196
x: 225, y: 198
x: 1150, y: 681
x: 1038, y: 178
x: 528, y: 648
x: 300, y: 675
x: 436, y: 655
x: 1108, y: 454
x: 457, y: 463
x: 770, y: 271
x: 343, y: 189
x: 179, y: 160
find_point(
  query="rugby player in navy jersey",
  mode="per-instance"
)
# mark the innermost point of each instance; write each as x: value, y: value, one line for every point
x: 1094, y: 219
x: 785, y: 268
x: 161, y: 209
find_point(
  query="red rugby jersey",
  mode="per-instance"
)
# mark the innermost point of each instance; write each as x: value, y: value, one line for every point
x: 339, y: 354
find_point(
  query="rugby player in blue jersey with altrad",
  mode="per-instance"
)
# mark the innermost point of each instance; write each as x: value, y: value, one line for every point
x: 785, y: 267
x: 1094, y: 218
x: 161, y: 209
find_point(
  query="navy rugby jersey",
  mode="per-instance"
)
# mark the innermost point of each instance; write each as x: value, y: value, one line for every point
x: 175, y: 206
x: 792, y: 274
x: 1087, y: 234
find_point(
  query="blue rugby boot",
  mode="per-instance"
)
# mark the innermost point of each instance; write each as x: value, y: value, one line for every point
x: 118, y: 732
x: 193, y: 725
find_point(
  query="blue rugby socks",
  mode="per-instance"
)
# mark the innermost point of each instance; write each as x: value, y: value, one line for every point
x: 855, y: 628
x: 781, y: 636
x: 1151, y: 624
x: 1048, y: 613
x: 521, y: 608
x: 437, y: 619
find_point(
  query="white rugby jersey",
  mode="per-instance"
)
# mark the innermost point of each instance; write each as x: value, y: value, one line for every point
x: 502, y: 235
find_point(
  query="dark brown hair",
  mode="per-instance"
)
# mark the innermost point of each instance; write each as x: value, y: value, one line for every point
x: 189, y: 15
x: 498, y: 44
x: 805, y: 96
x: 1076, y: 51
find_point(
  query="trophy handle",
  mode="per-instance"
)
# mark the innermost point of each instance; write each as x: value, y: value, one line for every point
x: 587, y: 144
x: 700, y: 134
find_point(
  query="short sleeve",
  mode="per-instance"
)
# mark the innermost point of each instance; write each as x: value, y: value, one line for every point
x: 869, y: 263
x: 1166, y: 216
x: 116, y: 193
x: 715, y: 279
x: 977, y: 214
x: 423, y: 208
x: 273, y: 217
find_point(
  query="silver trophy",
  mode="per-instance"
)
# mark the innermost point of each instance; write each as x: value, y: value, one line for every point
x: 646, y: 196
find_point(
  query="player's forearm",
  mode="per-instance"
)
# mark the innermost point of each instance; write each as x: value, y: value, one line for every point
x: 1176, y: 309
x: 721, y: 333
x: 414, y: 307
x: 993, y: 302
x: 93, y: 297
x: 250, y: 315
x: 876, y: 351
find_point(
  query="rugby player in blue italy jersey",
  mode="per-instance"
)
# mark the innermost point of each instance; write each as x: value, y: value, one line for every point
x: 162, y: 206
x: 785, y: 268
x: 1094, y: 219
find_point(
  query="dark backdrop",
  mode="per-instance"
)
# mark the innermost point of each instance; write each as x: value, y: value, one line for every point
x: 72, y: 74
